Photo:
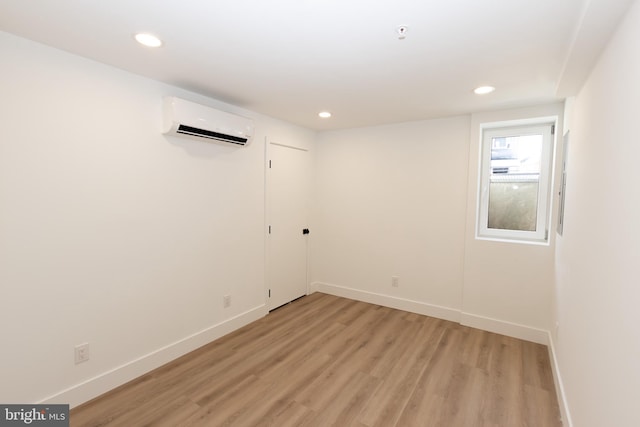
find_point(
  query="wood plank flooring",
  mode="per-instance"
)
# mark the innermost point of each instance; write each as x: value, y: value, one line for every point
x: 324, y: 360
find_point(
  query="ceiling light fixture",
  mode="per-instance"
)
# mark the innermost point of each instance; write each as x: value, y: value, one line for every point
x: 324, y: 114
x: 148, y: 40
x: 483, y: 90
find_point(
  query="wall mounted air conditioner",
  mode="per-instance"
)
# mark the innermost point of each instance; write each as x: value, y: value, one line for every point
x: 194, y: 121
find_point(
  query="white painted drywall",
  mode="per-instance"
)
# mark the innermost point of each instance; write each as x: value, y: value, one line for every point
x: 598, y: 340
x: 390, y: 201
x: 505, y: 282
x: 112, y: 233
x: 400, y: 200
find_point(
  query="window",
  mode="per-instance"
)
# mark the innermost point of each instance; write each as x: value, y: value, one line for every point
x: 515, y: 180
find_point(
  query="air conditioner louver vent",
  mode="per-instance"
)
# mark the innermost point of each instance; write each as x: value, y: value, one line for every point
x: 188, y: 130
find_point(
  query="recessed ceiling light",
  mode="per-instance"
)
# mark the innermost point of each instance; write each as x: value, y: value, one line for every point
x: 324, y: 114
x: 148, y: 40
x: 483, y: 90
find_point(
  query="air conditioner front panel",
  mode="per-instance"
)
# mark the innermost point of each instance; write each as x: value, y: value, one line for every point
x: 187, y: 119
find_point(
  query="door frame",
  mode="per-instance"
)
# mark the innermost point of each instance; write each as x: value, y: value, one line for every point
x: 267, y: 218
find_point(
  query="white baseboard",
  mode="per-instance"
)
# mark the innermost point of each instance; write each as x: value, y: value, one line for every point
x: 100, y: 384
x: 509, y: 329
x: 487, y: 324
x: 557, y: 379
x: 440, y: 312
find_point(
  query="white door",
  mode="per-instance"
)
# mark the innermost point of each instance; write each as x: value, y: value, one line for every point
x: 288, y: 172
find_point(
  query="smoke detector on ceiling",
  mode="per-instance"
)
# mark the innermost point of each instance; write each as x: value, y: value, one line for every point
x: 402, y: 32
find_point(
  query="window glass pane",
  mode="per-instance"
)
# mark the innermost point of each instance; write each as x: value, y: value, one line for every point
x: 514, y: 182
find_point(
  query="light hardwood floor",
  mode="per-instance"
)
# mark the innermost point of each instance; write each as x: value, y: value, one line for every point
x: 324, y: 360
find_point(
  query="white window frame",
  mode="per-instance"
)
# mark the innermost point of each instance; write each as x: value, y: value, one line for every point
x: 546, y: 127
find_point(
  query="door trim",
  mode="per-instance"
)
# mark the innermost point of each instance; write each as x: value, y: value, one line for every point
x: 267, y: 220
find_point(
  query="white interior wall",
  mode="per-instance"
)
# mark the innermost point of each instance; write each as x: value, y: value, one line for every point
x: 395, y: 200
x: 597, y: 345
x: 390, y: 201
x: 507, y: 286
x: 113, y: 233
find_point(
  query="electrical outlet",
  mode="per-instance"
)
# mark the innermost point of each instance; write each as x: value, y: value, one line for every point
x: 226, y: 301
x: 81, y: 353
x: 395, y: 281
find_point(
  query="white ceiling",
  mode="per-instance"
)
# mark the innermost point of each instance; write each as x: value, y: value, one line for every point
x: 290, y: 59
